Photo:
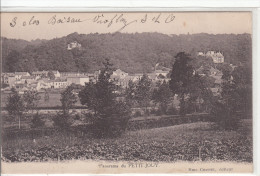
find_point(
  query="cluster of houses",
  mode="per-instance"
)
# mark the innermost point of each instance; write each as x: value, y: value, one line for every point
x: 217, y: 57
x: 40, y: 80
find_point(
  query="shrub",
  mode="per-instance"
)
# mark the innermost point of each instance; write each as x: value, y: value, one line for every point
x: 113, y: 124
x: 137, y: 113
x: 37, y: 121
x: 224, y: 117
x: 89, y: 117
x: 171, y: 111
x: 159, y: 112
x: 186, y: 107
x: 153, y: 111
x: 62, y: 121
x: 77, y: 117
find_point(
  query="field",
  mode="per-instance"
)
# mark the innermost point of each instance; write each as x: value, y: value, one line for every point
x: 198, y: 141
x: 54, y: 100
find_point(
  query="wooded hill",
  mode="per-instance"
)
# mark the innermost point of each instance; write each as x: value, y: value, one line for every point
x: 132, y: 53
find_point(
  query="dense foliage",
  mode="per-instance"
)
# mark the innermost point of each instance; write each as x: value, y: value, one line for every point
x: 110, y: 115
x: 15, y: 105
x: 130, y: 52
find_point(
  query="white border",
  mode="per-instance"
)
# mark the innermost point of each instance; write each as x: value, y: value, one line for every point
x: 69, y: 4
x: 162, y: 5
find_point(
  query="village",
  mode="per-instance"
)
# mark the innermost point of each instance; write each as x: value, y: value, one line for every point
x: 54, y: 80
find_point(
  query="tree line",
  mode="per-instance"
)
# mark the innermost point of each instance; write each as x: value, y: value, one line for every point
x: 131, y: 53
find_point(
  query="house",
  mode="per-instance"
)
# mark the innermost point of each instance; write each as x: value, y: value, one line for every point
x: 217, y: 57
x: 68, y: 74
x: 59, y: 83
x: 213, y: 71
x: 44, y: 84
x: 123, y: 82
x: 56, y: 74
x: 74, y: 44
x: 161, y: 72
x: 91, y: 77
x: 81, y: 80
x: 200, y: 54
x: 18, y: 75
x: 96, y: 74
x: 11, y: 80
x: 27, y: 79
x: 135, y: 77
x: 215, y: 91
x: 5, y: 77
x: 19, y: 86
x: 39, y: 74
x: 119, y: 73
x: 152, y: 76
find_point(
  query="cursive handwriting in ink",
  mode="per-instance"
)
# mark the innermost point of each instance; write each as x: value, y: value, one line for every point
x: 143, y: 20
x: 32, y: 21
x: 157, y: 18
x: 170, y: 18
x: 54, y: 20
x: 13, y: 23
x: 124, y: 21
x: 100, y: 19
x: 120, y: 20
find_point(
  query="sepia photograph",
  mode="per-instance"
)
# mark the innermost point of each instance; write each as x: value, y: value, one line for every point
x: 134, y: 92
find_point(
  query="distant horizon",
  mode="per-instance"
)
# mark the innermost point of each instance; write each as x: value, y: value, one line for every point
x: 170, y: 35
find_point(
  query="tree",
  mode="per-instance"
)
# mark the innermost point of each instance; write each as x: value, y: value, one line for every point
x: 12, y: 61
x: 62, y: 119
x: 101, y: 95
x: 162, y: 95
x: 236, y: 95
x: 15, y: 105
x: 242, y: 79
x: 130, y: 93
x: 226, y: 71
x: 111, y: 116
x: 31, y: 99
x: 51, y: 75
x: 46, y: 96
x: 68, y: 99
x: 181, y: 77
x: 37, y: 121
x: 143, y: 91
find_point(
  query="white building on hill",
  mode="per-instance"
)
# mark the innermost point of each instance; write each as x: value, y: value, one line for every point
x: 217, y: 57
x: 74, y: 44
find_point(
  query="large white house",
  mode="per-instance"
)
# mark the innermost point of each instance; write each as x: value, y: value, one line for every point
x: 77, y: 80
x: 217, y: 57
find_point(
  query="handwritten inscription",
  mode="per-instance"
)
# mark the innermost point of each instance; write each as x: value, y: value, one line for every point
x: 54, y: 20
x: 121, y: 20
x: 31, y: 21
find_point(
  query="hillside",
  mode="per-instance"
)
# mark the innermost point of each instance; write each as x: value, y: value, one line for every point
x: 133, y: 53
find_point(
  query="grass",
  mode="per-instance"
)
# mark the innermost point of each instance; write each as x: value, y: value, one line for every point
x: 54, y: 100
x: 180, y: 142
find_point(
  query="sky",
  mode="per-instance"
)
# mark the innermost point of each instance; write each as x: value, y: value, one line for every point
x: 31, y: 26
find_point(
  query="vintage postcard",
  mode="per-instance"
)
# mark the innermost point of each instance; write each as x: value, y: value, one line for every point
x: 146, y: 92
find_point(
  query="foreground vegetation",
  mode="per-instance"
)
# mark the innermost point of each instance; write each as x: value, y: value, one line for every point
x: 187, y: 142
